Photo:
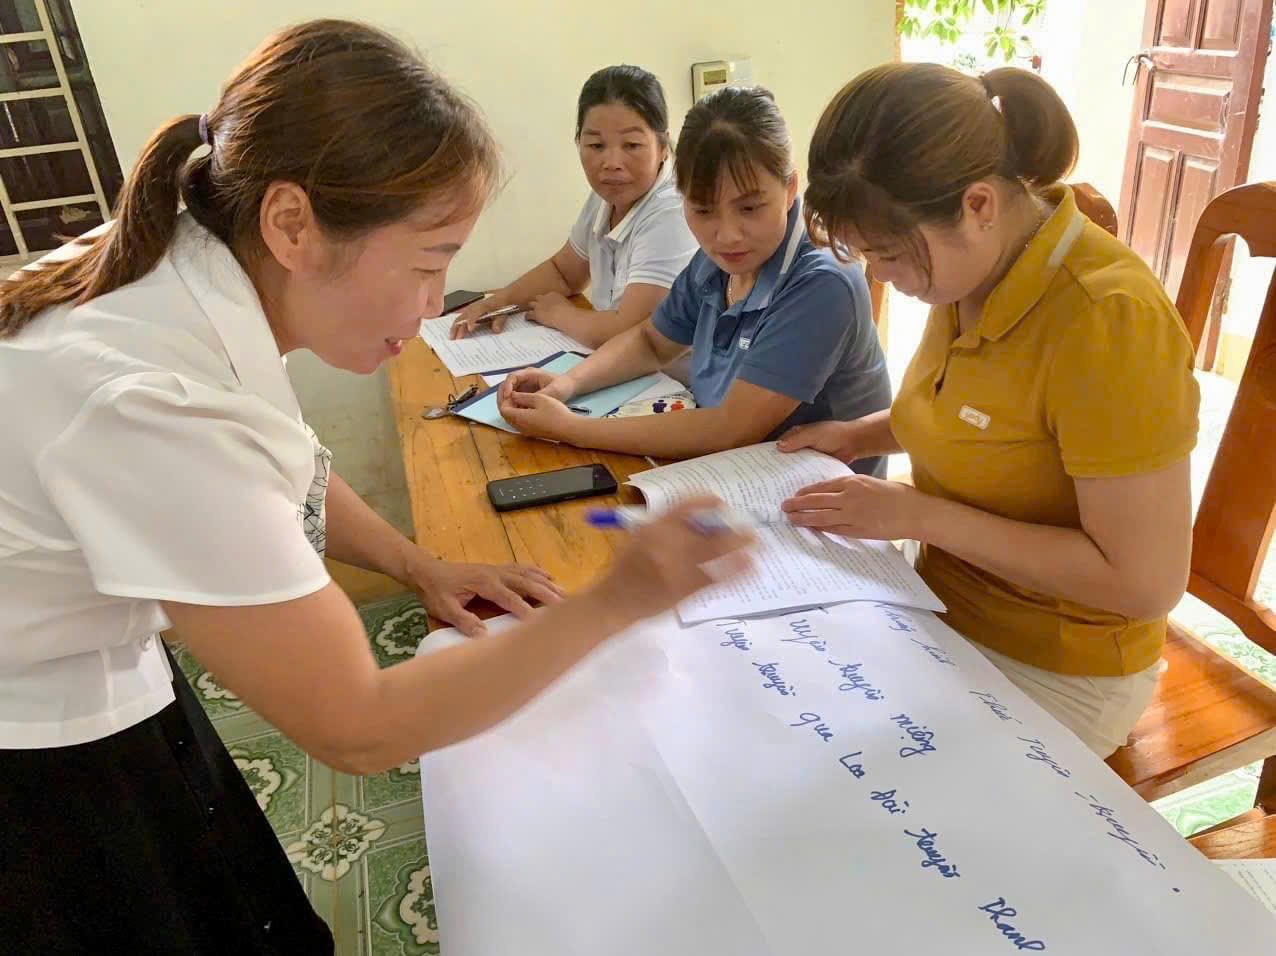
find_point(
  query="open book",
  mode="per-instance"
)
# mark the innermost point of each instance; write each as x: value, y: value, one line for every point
x: 794, y: 568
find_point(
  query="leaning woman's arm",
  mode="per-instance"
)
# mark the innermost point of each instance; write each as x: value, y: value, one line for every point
x: 305, y: 664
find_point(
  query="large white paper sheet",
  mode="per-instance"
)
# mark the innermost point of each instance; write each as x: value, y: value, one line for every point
x: 843, y: 781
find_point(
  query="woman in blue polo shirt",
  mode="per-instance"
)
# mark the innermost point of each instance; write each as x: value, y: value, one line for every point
x: 630, y: 240
x: 779, y: 332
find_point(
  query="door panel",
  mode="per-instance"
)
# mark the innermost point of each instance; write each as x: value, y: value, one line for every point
x: 1195, y: 111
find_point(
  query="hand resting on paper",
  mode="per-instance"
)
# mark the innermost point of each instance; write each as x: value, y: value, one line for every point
x: 553, y: 311
x: 859, y: 507
x: 445, y: 588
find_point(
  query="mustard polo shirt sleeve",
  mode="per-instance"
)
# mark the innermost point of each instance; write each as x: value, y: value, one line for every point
x: 175, y: 490
x: 1120, y: 395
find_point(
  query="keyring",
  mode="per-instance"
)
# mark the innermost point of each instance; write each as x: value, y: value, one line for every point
x: 434, y: 412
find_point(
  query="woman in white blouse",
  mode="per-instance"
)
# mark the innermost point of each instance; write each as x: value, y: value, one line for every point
x: 631, y: 238
x: 154, y: 469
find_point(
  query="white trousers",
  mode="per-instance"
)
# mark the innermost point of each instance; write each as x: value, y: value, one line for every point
x: 1100, y: 710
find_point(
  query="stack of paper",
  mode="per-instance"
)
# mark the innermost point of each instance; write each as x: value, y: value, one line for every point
x: 521, y: 343
x: 793, y: 567
x: 1258, y: 877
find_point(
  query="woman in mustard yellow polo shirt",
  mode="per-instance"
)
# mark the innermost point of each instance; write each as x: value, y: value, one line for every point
x: 1050, y: 408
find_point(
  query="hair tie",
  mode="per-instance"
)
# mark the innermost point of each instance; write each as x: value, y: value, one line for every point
x: 993, y: 97
x: 205, y: 136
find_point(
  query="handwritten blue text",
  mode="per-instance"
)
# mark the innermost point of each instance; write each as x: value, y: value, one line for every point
x: 926, y: 843
x: 854, y: 681
x: 923, y: 737
x: 774, y: 681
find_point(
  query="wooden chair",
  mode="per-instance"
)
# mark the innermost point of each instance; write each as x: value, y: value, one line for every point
x: 1094, y: 207
x: 1250, y: 839
x: 1209, y: 716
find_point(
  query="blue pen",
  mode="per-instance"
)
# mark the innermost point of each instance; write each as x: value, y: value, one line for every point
x: 715, y: 521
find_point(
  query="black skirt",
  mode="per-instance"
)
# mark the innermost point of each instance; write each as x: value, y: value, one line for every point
x: 147, y: 841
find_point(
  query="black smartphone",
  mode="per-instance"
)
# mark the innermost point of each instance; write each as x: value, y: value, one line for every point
x: 527, y: 491
x: 455, y: 301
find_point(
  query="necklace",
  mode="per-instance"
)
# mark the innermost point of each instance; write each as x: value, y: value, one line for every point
x: 1043, y: 216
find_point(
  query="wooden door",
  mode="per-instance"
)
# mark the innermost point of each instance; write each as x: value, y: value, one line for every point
x: 1195, y: 111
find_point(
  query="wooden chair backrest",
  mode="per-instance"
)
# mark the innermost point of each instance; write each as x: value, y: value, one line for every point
x: 1238, y: 511
x: 1094, y: 207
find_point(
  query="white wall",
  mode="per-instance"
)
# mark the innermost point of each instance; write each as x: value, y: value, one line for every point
x: 524, y: 64
x: 1083, y: 54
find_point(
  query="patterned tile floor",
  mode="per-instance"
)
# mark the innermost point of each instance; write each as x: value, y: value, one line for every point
x: 358, y: 843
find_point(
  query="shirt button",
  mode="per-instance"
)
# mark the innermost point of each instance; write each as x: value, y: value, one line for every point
x: 267, y: 925
x: 211, y: 810
x: 147, y: 642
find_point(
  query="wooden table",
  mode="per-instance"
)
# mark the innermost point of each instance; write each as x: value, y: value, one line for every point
x: 449, y: 462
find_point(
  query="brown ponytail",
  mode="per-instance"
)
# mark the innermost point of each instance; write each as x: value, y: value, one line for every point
x: 145, y: 218
x: 1041, y: 138
x: 343, y: 110
x: 899, y: 145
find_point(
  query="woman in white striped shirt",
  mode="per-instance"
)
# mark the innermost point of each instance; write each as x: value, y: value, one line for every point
x: 630, y: 240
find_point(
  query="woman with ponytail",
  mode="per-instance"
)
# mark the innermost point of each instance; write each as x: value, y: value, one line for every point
x: 155, y: 470
x: 1050, y: 408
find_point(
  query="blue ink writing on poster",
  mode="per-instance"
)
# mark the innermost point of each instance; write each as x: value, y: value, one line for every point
x: 1118, y: 831
x: 938, y: 653
x: 854, y: 768
x: 854, y: 681
x: 889, y: 801
x: 814, y: 722
x: 1037, y: 751
x: 999, y: 912
x: 996, y: 706
x: 774, y: 681
x: 803, y: 634
x: 926, y: 843
x: 734, y: 634
x: 923, y: 737
x: 899, y: 621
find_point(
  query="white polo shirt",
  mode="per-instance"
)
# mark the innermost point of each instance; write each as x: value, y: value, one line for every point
x: 153, y: 449
x: 652, y: 244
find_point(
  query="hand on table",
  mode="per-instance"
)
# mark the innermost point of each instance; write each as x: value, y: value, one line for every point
x: 446, y: 587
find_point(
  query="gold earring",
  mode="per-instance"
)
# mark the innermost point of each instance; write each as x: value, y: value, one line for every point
x: 985, y: 226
